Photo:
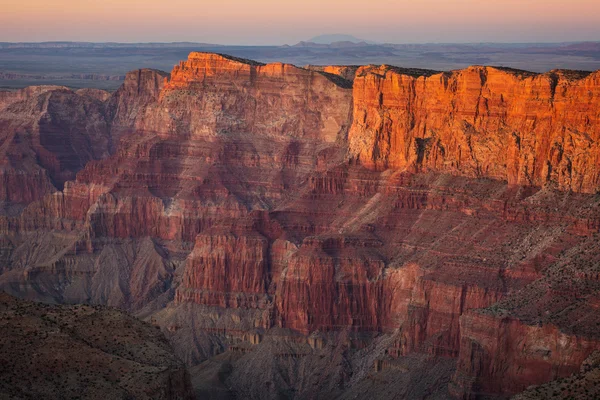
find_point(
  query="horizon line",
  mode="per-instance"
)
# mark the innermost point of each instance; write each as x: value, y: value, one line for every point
x: 302, y: 41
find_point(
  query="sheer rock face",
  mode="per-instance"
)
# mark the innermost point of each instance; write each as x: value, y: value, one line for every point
x: 48, y: 134
x: 57, y: 352
x: 338, y: 284
x: 503, y: 355
x: 522, y: 128
x: 578, y: 385
x: 128, y: 107
x: 214, y: 94
x: 233, y: 202
x: 227, y: 271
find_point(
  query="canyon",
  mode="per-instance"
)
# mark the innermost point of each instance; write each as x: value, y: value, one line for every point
x: 321, y: 231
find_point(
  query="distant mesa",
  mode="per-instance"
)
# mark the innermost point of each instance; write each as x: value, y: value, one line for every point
x: 334, y: 38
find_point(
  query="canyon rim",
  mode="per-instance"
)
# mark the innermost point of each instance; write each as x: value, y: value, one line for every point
x: 346, y: 232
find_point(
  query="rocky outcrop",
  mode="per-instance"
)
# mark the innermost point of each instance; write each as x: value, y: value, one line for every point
x: 503, y: 355
x: 58, y: 352
x: 523, y: 128
x: 48, y: 134
x: 215, y: 94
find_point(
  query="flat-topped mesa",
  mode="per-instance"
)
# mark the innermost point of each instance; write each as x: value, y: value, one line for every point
x: 517, y: 126
x: 210, y: 94
x: 212, y: 67
x: 204, y: 66
x: 347, y: 72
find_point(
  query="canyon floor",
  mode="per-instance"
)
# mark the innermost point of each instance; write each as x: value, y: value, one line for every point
x: 306, y: 233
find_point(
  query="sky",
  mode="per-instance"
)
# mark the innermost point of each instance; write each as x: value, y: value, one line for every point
x: 276, y: 22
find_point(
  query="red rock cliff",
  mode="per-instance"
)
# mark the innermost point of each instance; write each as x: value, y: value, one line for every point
x: 523, y: 128
x: 214, y: 93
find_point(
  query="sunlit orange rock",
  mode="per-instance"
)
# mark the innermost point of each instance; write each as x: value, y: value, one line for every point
x: 515, y: 126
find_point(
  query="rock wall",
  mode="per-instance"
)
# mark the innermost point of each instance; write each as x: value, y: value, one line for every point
x: 523, y: 128
x: 227, y: 94
x: 503, y: 355
x: 48, y: 135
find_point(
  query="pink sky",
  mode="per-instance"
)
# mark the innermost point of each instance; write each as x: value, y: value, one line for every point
x: 281, y: 21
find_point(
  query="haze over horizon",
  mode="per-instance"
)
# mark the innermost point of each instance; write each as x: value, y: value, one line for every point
x: 268, y: 22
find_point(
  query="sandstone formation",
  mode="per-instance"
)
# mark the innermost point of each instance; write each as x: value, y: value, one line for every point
x: 524, y: 128
x: 59, y: 352
x: 49, y: 134
x: 580, y: 385
x: 347, y: 72
x: 310, y: 233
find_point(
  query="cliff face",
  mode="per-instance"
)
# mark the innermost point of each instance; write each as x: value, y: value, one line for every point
x: 211, y: 94
x: 132, y: 103
x: 227, y: 271
x: 579, y: 385
x: 272, y: 218
x: 510, y: 125
x: 48, y: 134
x: 503, y: 355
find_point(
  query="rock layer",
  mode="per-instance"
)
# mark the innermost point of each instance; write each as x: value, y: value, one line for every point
x: 270, y: 218
x: 523, y: 128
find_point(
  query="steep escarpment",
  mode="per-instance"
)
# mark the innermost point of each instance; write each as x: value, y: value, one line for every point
x: 130, y: 105
x: 226, y: 270
x: 541, y: 333
x: 225, y: 94
x: 48, y: 134
x: 504, y: 355
x: 164, y: 184
x: 338, y: 228
x: 523, y: 128
x: 58, y: 352
x: 580, y: 385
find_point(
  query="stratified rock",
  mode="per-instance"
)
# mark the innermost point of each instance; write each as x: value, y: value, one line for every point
x: 515, y: 126
x: 48, y: 134
x: 215, y: 94
x: 581, y: 385
x: 270, y: 218
x: 226, y: 270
